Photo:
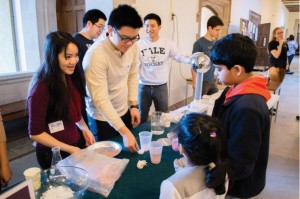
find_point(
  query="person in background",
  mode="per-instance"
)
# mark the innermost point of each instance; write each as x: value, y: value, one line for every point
x: 93, y: 25
x: 154, y: 54
x: 111, y: 71
x: 204, y: 177
x: 54, y: 101
x: 5, y: 171
x: 292, y: 47
x: 278, y: 56
x: 205, y: 44
x: 244, y: 115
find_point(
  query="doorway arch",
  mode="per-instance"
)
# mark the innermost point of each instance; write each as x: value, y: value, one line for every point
x: 206, y: 13
x: 221, y: 9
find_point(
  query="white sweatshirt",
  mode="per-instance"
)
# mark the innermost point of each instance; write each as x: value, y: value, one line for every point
x: 154, y: 59
x: 111, y: 81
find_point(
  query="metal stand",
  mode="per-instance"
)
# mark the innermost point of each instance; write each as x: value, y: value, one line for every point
x: 199, y: 84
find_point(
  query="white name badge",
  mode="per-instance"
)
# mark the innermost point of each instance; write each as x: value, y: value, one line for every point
x: 56, y: 126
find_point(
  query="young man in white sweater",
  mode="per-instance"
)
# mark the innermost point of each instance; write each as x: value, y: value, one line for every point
x: 153, y: 70
x: 111, y: 71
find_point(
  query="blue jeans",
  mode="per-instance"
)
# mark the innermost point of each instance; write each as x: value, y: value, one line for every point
x: 290, y: 58
x: 147, y: 94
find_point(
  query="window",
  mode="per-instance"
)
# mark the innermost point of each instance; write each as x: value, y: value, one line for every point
x: 19, y: 49
x: 8, y: 57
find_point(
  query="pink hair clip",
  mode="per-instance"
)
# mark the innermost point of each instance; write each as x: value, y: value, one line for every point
x: 213, y: 134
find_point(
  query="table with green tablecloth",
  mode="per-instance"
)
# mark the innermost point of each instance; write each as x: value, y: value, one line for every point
x: 143, y: 183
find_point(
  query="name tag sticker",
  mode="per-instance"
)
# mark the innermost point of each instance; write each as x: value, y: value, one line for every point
x: 56, y: 126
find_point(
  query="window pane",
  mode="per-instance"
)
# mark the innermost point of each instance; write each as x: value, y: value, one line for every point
x: 7, y: 48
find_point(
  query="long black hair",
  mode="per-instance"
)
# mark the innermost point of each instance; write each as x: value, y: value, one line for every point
x: 200, y: 138
x: 51, y: 75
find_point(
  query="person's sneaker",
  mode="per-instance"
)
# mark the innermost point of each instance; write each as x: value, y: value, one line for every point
x: 289, y: 72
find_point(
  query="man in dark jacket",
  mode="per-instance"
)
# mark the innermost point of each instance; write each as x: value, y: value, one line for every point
x: 244, y: 115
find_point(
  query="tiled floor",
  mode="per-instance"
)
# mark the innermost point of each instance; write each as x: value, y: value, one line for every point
x: 283, y: 168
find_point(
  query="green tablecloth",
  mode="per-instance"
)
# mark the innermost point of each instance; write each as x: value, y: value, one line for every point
x: 141, y: 183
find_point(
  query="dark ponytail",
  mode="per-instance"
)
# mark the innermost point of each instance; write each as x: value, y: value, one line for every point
x: 215, y: 177
x: 200, y: 137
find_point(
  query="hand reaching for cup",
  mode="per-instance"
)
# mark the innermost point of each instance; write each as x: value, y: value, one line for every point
x: 128, y: 139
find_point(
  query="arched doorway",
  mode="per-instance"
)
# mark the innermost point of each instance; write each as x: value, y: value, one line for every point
x: 221, y: 9
x: 206, y: 13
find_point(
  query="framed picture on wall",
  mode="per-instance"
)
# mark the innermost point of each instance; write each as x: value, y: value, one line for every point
x: 254, y: 17
x: 254, y: 21
x: 244, y: 24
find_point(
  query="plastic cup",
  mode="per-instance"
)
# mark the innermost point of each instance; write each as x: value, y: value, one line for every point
x: 175, y: 143
x: 155, y: 152
x: 145, y: 139
x: 157, y: 123
x: 33, y: 174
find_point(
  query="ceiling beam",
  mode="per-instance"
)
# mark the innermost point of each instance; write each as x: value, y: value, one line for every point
x: 291, y: 5
x: 292, y: 8
x: 290, y: 1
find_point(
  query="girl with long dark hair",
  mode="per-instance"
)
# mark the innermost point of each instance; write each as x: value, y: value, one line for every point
x: 54, y: 101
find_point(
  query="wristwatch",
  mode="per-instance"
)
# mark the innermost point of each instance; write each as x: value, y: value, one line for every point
x: 134, y: 106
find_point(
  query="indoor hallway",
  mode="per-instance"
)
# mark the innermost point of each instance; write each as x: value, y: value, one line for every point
x: 283, y: 167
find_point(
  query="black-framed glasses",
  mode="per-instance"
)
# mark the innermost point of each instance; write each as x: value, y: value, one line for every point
x: 101, y: 27
x: 126, y: 39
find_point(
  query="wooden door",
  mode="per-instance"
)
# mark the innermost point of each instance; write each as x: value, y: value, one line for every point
x: 69, y: 15
x: 262, y: 45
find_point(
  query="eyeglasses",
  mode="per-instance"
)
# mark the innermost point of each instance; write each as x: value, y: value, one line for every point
x: 279, y: 33
x: 101, y: 27
x: 126, y: 39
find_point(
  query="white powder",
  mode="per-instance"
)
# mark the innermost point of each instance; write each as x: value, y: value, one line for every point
x: 60, y: 192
